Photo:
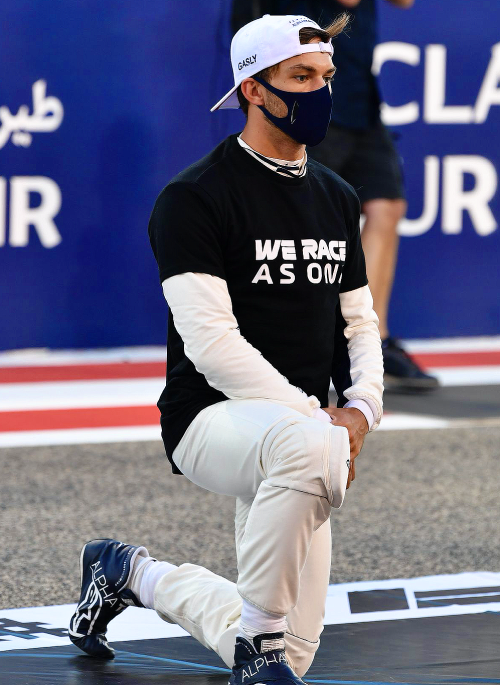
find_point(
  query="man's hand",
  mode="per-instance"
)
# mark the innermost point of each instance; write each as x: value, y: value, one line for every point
x: 357, y: 426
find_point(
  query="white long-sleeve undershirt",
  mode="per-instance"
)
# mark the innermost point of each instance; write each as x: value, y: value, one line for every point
x: 202, y: 311
x: 365, y: 351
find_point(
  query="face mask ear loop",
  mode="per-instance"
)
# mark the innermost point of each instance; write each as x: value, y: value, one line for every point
x: 277, y: 92
x: 268, y: 86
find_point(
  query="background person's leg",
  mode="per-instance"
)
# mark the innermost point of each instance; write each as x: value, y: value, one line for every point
x: 373, y: 168
x: 380, y: 244
x: 369, y: 161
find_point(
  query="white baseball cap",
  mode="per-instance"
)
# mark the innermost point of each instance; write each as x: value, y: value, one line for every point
x: 263, y: 43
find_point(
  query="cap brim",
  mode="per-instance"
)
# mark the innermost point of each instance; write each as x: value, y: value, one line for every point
x: 229, y: 101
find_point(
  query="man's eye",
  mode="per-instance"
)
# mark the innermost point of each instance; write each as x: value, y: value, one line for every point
x: 328, y: 79
x: 301, y: 78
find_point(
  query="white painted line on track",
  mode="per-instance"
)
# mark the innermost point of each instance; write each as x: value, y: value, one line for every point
x: 130, y: 392
x: 144, y: 624
x: 394, y: 422
x: 338, y: 609
x: 467, y: 375
x: 80, y: 436
x: 44, y: 357
x: 479, y: 344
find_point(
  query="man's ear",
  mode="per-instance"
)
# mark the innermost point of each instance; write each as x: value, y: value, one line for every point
x: 252, y: 91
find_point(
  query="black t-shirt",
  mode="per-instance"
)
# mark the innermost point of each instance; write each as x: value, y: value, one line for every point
x: 356, y: 96
x: 286, y: 246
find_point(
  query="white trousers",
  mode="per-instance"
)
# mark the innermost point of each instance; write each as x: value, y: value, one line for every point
x: 286, y: 471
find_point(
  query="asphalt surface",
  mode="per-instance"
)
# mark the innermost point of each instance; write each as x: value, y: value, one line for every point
x: 424, y: 502
x: 467, y: 402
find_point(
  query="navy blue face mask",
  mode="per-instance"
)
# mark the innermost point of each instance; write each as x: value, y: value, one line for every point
x: 308, y: 113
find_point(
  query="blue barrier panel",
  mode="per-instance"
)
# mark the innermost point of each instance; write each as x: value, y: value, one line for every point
x: 440, y: 75
x: 102, y: 103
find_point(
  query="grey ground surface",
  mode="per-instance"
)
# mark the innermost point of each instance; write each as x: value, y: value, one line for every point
x: 472, y: 401
x: 424, y: 502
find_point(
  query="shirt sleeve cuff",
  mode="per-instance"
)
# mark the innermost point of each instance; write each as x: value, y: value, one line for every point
x: 364, y: 408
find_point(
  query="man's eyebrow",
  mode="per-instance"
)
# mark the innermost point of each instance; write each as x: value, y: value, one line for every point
x: 307, y: 67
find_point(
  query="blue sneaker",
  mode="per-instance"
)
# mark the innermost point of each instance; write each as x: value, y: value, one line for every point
x: 105, y: 568
x: 263, y: 663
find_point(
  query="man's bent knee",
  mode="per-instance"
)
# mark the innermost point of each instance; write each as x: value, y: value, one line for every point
x: 309, y: 456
